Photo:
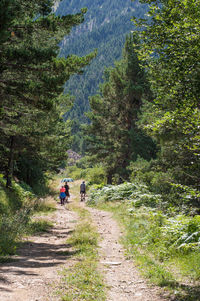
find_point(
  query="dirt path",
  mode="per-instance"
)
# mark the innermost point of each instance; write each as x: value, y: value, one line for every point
x: 122, y: 278
x: 33, y: 275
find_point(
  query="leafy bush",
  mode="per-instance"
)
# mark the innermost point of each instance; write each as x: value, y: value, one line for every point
x: 137, y: 194
x: 183, y: 233
x: 166, y: 236
x: 12, y: 227
x: 84, y: 163
x: 95, y: 175
x: 165, y: 233
x: 138, y: 168
x: 15, y: 208
x: 76, y: 173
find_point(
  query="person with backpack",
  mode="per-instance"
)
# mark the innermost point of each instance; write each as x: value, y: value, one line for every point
x: 82, y: 191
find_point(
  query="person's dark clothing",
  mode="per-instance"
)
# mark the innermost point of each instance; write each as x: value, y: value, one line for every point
x: 67, y: 189
x: 82, y: 188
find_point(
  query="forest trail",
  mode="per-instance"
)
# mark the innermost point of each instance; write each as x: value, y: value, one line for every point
x: 121, y: 276
x: 34, y: 274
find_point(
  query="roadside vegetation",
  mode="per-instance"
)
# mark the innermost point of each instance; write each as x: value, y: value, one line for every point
x: 34, y: 136
x: 18, y: 206
x: 162, y: 240
x: 83, y: 281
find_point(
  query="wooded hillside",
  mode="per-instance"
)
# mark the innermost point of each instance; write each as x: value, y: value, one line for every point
x: 105, y: 28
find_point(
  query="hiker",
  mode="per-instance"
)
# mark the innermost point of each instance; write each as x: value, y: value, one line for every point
x: 67, y: 191
x: 82, y: 191
x: 62, y: 195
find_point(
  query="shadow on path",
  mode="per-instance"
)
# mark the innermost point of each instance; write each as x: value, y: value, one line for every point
x: 36, y: 255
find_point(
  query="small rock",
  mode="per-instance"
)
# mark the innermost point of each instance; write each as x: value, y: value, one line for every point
x: 138, y: 294
x: 112, y: 262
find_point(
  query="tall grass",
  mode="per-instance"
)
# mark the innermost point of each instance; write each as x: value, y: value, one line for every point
x: 16, y: 208
x: 164, y: 244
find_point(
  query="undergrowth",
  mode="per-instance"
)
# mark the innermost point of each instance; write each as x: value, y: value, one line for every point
x: 164, y: 244
x: 17, y: 205
x: 38, y: 226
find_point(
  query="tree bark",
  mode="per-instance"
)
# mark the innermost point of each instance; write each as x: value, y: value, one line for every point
x: 10, y: 163
x: 109, y: 178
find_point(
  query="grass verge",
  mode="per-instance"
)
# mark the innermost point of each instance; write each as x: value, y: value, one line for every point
x: 178, y: 274
x: 83, y: 281
x: 38, y: 226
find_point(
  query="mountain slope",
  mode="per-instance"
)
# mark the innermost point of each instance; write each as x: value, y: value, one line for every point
x: 106, y: 25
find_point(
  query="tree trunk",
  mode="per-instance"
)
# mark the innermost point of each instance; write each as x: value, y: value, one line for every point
x: 10, y: 163
x: 109, y: 178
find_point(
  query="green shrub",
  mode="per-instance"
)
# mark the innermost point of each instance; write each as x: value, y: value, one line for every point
x: 137, y: 194
x: 76, y: 173
x: 12, y: 227
x: 38, y: 226
x: 161, y: 183
x: 170, y: 236
x: 138, y: 169
x: 84, y: 163
x: 95, y: 175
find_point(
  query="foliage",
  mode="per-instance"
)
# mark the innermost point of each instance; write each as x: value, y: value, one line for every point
x: 84, y: 162
x: 12, y: 200
x: 113, y: 135
x: 170, y: 52
x: 164, y: 244
x: 31, y: 81
x: 16, y: 208
x: 76, y: 173
x: 12, y: 227
x: 179, y: 233
x: 105, y: 27
x: 95, y: 175
x: 137, y: 194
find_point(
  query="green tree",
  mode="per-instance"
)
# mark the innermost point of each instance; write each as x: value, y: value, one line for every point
x: 31, y: 75
x: 171, y: 52
x: 114, y: 135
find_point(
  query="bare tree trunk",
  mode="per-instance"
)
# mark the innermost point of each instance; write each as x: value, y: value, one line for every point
x: 10, y: 163
x: 109, y: 178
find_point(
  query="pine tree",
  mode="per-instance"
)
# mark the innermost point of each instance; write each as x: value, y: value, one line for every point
x: 31, y: 74
x: 113, y: 134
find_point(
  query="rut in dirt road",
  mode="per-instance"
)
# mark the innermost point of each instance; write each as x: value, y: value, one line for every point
x: 121, y: 277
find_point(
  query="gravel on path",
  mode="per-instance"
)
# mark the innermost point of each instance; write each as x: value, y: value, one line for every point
x: 121, y: 276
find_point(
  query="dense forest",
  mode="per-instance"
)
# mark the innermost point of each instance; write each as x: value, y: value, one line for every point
x: 148, y: 106
x: 140, y: 122
x: 32, y: 79
x: 105, y: 27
